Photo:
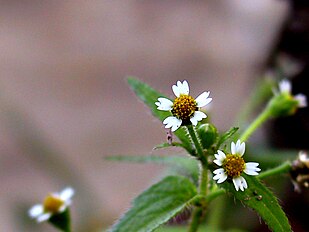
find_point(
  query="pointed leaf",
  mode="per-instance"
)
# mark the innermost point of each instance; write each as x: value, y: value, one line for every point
x: 157, y: 205
x: 149, y: 96
x: 165, y: 145
x: 262, y: 200
x: 227, y: 135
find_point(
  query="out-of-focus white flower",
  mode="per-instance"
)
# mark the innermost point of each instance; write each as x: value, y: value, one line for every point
x: 283, y: 102
x: 54, y: 203
x: 285, y: 87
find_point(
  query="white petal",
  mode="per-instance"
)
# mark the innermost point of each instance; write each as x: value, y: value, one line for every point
x: 172, y: 122
x: 44, y: 217
x: 63, y: 207
x: 185, y: 88
x: 197, y: 116
x: 181, y: 88
x: 238, y: 148
x: 218, y: 162
x: 202, y: 99
x: 252, y: 169
x: 67, y: 194
x: 240, y: 183
x: 36, y: 210
x: 218, y: 171
x: 220, y: 175
x: 285, y: 86
x: 176, y: 90
x: 302, y: 100
x: 233, y: 148
x: 164, y: 104
x: 220, y: 156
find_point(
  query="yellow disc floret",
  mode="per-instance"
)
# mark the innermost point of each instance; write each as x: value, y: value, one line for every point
x: 52, y: 204
x: 184, y: 107
x: 233, y: 165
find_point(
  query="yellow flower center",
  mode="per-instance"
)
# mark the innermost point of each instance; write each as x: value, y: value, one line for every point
x: 233, y: 165
x: 184, y: 107
x: 52, y: 204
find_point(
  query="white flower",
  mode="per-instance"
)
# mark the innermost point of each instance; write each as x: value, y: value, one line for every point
x: 233, y: 165
x: 54, y: 203
x: 184, y: 108
x: 303, y: 157
x: 285, y: 87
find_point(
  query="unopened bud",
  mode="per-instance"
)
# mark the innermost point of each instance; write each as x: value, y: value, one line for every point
x: 283, y: 105
x: 208, y: 135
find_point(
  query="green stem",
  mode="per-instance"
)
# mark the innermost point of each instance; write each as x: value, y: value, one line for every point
x: 204, y: 165
x: 283, y: 168
x: 214, y: 194
x: 195, y: 219
x: 199, y: 211
x: 255, y: 124
x: 196, y: 142
x: 203, y: 180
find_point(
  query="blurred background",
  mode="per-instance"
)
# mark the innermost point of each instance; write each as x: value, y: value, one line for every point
x: 65, y: 103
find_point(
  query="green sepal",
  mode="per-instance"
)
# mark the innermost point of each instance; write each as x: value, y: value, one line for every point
x: 149, y: 96
x: 62, y: 221
x: 259, y: 198
x: 157, y: 205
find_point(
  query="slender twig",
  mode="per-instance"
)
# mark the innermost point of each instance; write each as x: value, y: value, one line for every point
x: 262, y: 117
x: 281, y: 169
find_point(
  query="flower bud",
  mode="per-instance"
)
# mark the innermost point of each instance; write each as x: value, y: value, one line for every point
x: 282, y: 105
x: 208, y: 135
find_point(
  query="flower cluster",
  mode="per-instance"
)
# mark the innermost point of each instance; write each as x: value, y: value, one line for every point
x: 185, y: 111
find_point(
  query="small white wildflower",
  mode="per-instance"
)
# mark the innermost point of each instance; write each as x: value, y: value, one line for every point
x: 185, y: 109
x: 233, y: 165
x: 285, y: 87
x: 53, y: 203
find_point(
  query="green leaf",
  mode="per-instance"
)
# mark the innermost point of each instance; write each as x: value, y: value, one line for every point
x: 157, y: 205
x: 181, y: 165
x: 226, y: 136
x: 149, y: 96
x: 262, y: 200
x: 165, y: 145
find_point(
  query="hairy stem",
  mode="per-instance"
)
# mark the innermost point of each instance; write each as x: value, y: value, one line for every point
x: 199, y: 210
x: 195, y: 141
